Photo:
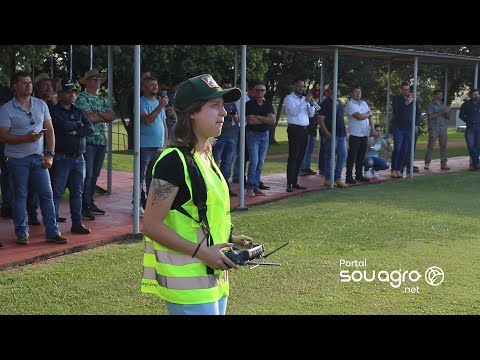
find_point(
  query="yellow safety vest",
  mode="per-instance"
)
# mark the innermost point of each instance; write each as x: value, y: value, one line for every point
x: 177, y: 277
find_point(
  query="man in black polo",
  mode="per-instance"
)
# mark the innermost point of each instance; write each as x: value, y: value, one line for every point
x: 71, y: 128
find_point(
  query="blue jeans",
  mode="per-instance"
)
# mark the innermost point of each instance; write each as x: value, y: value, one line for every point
x: 223, y: 153
x: 7, y: 190
x: 377, y: 163
x: 69, y: 171
x: 146, y: 154
x: 4, y: 180
x: 472, y: 137
x: 307, y: 159
x: 341, y: 153
x: 93, y: 165
x: 22, y: 171
x: 401, y: 139
x: 257, y: 151
x: 214, y: 308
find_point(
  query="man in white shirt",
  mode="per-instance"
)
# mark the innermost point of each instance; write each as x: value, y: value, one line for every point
x: 298, y: 108
x: 360, y: 125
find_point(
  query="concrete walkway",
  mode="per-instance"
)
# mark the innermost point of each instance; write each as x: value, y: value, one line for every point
x: 118, y: 220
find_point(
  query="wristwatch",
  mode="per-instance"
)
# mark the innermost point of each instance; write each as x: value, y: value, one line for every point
x: 51, y: 153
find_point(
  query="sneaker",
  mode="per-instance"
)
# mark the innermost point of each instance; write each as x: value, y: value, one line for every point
x: 368, y: 174
x: 80, y: 229
x: 302, y: 173
x: 445, y: 167
x: 250, y: 193
x: 375, y: 174
x: 22, y: 240
x: 426, y: 166
x: 57, y: 239
x: 299, y: 187
x: 96, y: 210
x: 262, y: 186
x: 341, y: 184
x: 33, y: 220
x: 259, y: 193
x: 87, y: 214
x: 311, y: 172
x: 362, y: 178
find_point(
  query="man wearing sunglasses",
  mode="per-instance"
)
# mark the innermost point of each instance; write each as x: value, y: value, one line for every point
x: 23, y: 122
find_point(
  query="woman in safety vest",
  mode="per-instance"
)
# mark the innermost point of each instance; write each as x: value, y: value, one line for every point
x: 183, y: 260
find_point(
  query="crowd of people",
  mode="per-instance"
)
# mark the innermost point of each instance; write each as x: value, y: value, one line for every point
x: 56, y: 140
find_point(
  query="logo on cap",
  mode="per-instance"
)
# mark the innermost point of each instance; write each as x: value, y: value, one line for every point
x: 210, y: 81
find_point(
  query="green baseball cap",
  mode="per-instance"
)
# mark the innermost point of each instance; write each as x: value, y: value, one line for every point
x: 202, y: 87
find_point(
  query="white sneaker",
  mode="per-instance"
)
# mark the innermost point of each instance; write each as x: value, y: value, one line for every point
x: 141, y: 212
x: 250, y: 193
x: 368, y: 174
x: 376, y: 175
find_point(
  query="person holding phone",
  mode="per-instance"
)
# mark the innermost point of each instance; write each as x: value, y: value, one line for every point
x: 22, y: 120
x: 402, y: 127
x: 153, y: 128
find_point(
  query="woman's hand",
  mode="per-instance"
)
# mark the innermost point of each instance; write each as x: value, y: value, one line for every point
x: 214, y: 257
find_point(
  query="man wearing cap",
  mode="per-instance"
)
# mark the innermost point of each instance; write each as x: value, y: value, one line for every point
x: 183, y: 263
x: 299, y: 109
x: 43, y: 89
x: 23, y: 122
x: 71, y: 128
x: 99, y: 113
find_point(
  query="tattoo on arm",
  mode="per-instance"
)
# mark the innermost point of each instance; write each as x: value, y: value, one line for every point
x: 160, y: 191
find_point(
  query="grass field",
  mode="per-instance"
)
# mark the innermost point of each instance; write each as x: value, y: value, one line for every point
x: 407, y: 225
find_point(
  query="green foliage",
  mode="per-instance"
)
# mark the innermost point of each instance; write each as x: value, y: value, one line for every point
x: 277, y: 68
x: 22, y: 57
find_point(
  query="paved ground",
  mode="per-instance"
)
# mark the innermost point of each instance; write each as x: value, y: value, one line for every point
x: 118, y: 220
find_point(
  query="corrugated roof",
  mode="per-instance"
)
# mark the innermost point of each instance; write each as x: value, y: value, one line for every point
x: 383, y: 53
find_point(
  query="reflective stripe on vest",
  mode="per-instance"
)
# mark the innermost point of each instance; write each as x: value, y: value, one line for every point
x: 184, y: 283
x: 166, y: 257
x: 177, y: 277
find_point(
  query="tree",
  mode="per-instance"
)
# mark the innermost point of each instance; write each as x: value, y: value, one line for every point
x: 21, y: 57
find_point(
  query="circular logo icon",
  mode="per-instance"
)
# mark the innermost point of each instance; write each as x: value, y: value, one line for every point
x: 434, y: 276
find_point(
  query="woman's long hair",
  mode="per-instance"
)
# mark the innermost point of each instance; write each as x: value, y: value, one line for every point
x: 183, y: 134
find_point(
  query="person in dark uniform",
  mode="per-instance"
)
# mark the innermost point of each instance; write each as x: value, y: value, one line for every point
x: 71, y: 128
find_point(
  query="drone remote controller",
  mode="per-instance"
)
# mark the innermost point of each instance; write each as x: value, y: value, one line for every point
x: 243, y: 257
